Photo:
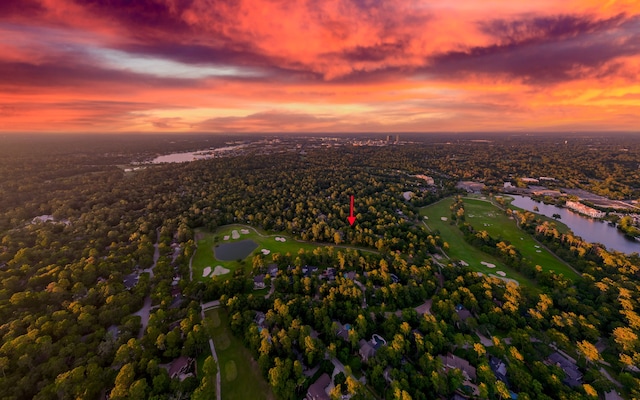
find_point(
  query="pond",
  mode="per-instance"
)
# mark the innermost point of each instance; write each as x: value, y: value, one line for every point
x: 591, y: 230
x: 235, y: 250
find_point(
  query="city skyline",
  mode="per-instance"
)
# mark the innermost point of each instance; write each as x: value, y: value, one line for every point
x: 331, y: 66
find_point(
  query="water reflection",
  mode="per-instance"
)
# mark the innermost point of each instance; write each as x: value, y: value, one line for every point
x: 593, y: 231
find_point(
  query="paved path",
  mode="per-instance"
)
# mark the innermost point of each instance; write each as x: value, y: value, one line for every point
x: 609, y: 377
x: 144, y: 312
x: 271, y: 290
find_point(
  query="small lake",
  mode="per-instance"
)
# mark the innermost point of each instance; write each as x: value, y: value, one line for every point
x: 235, y: 250
x: 591, y: 230
x: 194, y: 155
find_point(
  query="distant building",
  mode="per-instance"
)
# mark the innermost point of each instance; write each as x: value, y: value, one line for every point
x: 582, y: 209
x: 470, y: 187
x: 547, y: 192
x: 426, y: 178
x: 317, y: 391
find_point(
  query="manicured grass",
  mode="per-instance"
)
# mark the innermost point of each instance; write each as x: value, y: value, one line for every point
x: 485, y: 216
x: 207, y: 241
x: 240, y: 375
x: 461, y: 250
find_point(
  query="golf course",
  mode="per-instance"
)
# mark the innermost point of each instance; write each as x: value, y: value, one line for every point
x: 482, y: 214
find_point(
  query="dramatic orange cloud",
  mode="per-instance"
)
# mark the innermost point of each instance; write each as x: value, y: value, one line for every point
x: 318, y: 66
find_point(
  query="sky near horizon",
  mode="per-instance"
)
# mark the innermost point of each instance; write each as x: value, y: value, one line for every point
x: 319, y: 66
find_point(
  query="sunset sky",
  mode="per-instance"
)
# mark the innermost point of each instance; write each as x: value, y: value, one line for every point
x: 319, y: 66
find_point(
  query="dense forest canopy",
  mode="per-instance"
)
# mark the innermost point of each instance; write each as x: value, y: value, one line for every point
x: 70, y: 321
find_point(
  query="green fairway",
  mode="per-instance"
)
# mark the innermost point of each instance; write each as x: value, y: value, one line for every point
x: 240, y: 376
x: 438, y: 219
x: 485, y: 216
x: 207, y: 242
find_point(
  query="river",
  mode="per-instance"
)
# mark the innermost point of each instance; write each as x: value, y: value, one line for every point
x: 194, y: 155
x: 593, y: 231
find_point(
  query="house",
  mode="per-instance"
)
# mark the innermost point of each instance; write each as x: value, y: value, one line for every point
x: 499, y: 369
x: 180, y: 368
x: 366, y: 350
x: 130, y: 281
x: 272, y: 270
x: 450, y: 361
x: 342, y: 331
x: 317, y: 391
x: 258, y: 282
x: 307, y: 270
x: 259, y: 319
x: 573, y: 376
x: 612, y: 395
x: 462, y: 312
x: 386, y: 374
x: 350, y: 275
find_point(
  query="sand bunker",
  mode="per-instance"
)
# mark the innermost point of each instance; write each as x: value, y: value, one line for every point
x: 244, y: 231
x: 207, y: 271
x: 501, y: 273
x: 265, y: 251
x: 235, y: 234
x: 480, y: 274
x: 462, y: 262
x: 220, y: 270
x: 226, y: 237
x: 280, y: 239
x: 506, y: 279
x: 487, y: 264
x: 443, y: 218
x: 538, y: 251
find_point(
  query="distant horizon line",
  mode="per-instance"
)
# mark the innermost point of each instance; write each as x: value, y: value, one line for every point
x: 340, y: 133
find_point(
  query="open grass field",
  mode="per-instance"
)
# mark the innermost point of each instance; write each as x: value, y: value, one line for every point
x: 461, y: 250
x: 483, y: 215
x: 207, y: 242
x: 240, y: 375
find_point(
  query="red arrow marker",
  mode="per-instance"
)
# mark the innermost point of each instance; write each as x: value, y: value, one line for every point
x: 351, y: 218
